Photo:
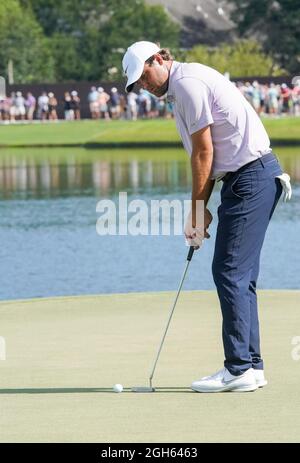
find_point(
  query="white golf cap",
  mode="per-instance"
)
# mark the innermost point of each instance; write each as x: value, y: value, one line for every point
x: 134, y: 60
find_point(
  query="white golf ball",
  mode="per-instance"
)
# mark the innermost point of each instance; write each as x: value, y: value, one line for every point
x: 118, y: 388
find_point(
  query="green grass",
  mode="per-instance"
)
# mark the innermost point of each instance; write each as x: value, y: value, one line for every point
x: 83, y: 132
x: 64, y: 355
x: 284, y: 130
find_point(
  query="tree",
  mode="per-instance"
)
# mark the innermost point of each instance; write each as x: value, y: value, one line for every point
x: 23, y: 42
x: 245, y: 58
x: 276, y: 24
x: 131, y: 22
x: 89, y: 37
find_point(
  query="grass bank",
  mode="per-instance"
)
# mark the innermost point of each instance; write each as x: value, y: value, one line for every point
x: 130, y: 134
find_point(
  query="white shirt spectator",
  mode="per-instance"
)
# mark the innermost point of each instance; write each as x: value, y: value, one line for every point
x: 93, y: 95
x: 20, y: 104
x: 43, y: 101
x: 131, y: 98
x: 132, y: 105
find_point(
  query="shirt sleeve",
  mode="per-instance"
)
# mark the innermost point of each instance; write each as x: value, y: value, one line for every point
x: 192, y: 98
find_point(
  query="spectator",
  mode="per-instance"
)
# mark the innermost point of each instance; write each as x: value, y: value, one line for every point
x: 2, y: 100
x: 169, y: 110
x: 263, y: 89
x: 68, y: 111
x: 123, y: 107
x: 296, y: 98
x: 153, y: 112
x: 285, y: 96
x: 144, y: 103
x: 6, y: 108
x: 20, y: 106
x: 52, y: 107
x: 115, y: 108
x: 132, y: 106
x: 103, y: 99
x: 273, y: 99
x: 256, y: 96
x: 75, y: 104
x: 93, y: 102
x: 161, y: 105
x: 12, y: 107
x: 43, y: 107
x: 30, y: 106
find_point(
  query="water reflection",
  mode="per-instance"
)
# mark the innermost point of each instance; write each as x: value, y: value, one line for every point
x: 97, y: 178
x: 46, y: 177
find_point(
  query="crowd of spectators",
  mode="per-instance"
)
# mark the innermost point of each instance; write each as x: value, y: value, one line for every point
x: 116, y: 105
x: 18, y: 107
x: 272, y: 99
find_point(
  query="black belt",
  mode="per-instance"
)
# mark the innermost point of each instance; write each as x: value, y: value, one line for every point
x: 229, y: 175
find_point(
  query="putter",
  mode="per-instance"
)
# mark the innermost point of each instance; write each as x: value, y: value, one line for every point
x: 151, y: 388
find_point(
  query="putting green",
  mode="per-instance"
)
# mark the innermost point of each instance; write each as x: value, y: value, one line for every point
x: 63, y: 355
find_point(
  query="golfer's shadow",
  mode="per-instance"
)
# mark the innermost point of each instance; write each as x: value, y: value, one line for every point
x: 87, y: 390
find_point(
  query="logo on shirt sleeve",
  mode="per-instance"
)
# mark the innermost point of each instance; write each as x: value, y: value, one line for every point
x: 170, y: 98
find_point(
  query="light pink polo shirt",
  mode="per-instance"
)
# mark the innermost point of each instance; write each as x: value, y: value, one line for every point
x: 202, y: 96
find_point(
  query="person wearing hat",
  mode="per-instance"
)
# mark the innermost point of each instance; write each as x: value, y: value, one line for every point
x: 75, y: 104
x: 115, y: 107
x: 286, y: 98
x: 43, y: 106
x: 20, y: 106
x: 93, y: 103
x: 30, y: 106
x: 52, y: 107
x: 226, y: 140
x: 103, y: 99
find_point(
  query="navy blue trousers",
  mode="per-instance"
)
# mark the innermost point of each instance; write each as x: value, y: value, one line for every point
x: 248, y: 199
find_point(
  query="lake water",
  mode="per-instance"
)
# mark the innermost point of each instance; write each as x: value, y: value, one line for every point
x: 49, y: 244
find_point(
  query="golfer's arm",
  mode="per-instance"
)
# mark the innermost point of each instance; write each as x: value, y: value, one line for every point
x: 201, y: 163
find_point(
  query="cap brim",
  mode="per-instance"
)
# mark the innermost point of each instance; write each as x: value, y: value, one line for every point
x: 133, y: 76
x: 130, y: 88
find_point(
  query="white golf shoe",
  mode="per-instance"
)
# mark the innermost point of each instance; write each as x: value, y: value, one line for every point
x: 223, y: 381
x: 260, y: 378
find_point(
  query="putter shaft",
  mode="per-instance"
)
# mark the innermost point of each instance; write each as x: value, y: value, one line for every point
x: 189, y: 258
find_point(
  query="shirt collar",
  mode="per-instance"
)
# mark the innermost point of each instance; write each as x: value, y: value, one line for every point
x: 170, y: 95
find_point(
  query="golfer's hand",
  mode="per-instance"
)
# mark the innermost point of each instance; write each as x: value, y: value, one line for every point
x: 195, y: 234
x: 207, y: 221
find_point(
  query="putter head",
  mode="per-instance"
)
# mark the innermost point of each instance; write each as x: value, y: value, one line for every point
x: 143, y: 389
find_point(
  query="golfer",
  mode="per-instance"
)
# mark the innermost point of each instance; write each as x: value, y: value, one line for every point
x: 226, y: 141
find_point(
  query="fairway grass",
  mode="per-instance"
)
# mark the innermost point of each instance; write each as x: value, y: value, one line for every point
x: 63, y: 355
x: 155, y: 132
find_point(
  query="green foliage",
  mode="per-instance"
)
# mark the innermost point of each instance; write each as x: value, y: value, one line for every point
x: 128, y: 25
x: 88, y: 37
x: 23, y: 42
x: 242, y: 59
x: 276, y: 24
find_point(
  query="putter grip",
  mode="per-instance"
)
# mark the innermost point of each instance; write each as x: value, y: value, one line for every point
x: 190, y: 254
